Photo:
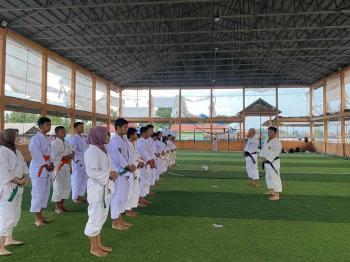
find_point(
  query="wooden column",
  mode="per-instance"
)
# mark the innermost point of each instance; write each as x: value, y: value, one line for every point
x: 93, y: 101
x: 2, y: 76
x: 276, y: 121
x: 108, y: 105
x: 243, y: 115
x: 342, y: 111
x: 72, y: 98
x: 150, y: 106
x: 325, y: 121
x: 310, y: 113
x: 120, y: 103
x: 43, y: 108
x: 179, y: 113
x: 211, y: 114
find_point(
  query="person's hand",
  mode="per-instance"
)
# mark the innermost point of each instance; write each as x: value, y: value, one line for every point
x: 68, y: 157
x: 263, y: 159
x: 131, y: 168
x: 113, y: 175
x: 25, y: 181
x: 141, y: 165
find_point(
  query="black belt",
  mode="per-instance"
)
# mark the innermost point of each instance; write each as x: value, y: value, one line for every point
x: 271, y: 164
x: 246, y: 154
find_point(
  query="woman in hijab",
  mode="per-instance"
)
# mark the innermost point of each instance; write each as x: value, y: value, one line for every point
x: 99, y: 187
x: 13, y: 177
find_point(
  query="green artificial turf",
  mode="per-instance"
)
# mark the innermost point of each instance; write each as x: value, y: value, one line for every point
x: 310, y: 223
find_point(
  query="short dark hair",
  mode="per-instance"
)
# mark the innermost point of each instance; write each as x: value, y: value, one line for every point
x: 154, y: 135
x: 144, y: 129
x: 273, y: 128
x: 43, y: 120
x: 169, y: 135
x: 120, y: 122
x: 131, y: 131
x: 76, y: 124
x: 150, y: 126
x: 58, y: 128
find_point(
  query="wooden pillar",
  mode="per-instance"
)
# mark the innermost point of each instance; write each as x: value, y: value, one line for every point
x: 2, y: 76
x: 43, y: 108
x: 342, y: 111
x: 150, y: 106
x: 310, y: 113
x: 325, y: 121
x: 211, y: 114
x: 276, y: 121
x: 72, y: 98
x: 120, y: 103
x: 93, y: 100
x: 179, y: 113
x: 243, y: 115
x: 108, y: 105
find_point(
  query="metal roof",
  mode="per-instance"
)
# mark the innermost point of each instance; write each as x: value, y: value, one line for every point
x: 193, y: 42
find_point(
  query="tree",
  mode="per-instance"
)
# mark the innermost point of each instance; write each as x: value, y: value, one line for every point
x: 163, y: 112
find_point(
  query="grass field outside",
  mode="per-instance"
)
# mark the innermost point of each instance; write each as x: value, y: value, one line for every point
x: 310, y: 223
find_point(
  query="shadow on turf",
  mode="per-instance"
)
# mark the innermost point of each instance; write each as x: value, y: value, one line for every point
x: 250, y: 206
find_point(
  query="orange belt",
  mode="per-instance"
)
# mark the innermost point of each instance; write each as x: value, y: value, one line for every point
x: 63, y: 162
x: 46, y: 158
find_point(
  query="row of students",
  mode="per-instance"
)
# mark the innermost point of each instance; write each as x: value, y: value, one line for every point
x: 270, y: 157
x: 117, y: 173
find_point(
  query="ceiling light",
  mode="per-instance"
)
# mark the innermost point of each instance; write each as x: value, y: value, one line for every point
x: 4, y: 23
x: 217, y: 19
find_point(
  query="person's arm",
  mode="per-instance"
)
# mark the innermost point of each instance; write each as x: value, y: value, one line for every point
x: 275, y: 150
x: 78, y: 150
x: 7, y: 174
x: 118, y: 160
x: 57, y: 152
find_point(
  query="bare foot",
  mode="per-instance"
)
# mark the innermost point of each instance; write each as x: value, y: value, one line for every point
x: 270, y: 193
x: 13, y: 242
x: 77, y: 201
x: 98, y: 252
x: 120, y: 227
x: 142, y: 204
x: 127, y: 224
x: 131, y: 213
x: 106, y: 249
x: 5, y: 252
x: 39, y: 223
x: 59, y: 211
x: 274, y: 198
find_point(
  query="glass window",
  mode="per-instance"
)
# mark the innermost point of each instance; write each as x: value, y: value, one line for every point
x: 253, y: 94
x: 58, y: 83
x: 317, y: 101
x: 165, y: 103
x: 24, y: 122
x: 60, y: 121
x: 347, y: 131
x: 333, y: 95
x: 114, y: 104
x: 347, y: 88
x: 83, y: 92
x: 334, y: 131
x: 318, y: 131
x: 195, y: 103
x: 23, y: 71
x: 135, y: 103
x: 294, y: 102
x: 227, y: 102
x: 101, y: 98
x: 294, y: 131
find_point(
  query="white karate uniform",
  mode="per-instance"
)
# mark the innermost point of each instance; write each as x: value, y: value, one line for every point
x: 270, y: 151
x: 174, y: 153
x: 40, y: 148
x: 153, y: 171
x: 169, y: 153
x: 143, y: 148
x: 79, y: 176
x: 134, y: 180
x: 99, y: 188
x: 252, y: 168
x: 118, y: 149
x: 12, y: 165
x: 164, y: 157
x: 62, y: 172
x: 159, y: 167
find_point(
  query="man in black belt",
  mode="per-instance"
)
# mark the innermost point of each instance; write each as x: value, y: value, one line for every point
x: 270, y: 154
x: 251, y: 158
